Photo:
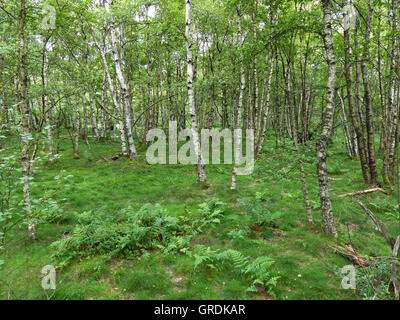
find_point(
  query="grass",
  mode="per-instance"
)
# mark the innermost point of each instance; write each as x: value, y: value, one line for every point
x: 307, y: 267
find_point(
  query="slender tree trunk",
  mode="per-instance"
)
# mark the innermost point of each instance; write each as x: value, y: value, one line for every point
x: 23, y: 107
x: 126, y: 102
x: 267, y: 102
x: 346, y: 130
x: 298, y: 154
x: 93, y: 116
x: 201, y: 169
x: 353, y: 115
x: 77, y: 128
x: 326, y: 202
x: 46, y: 109
x: 84, y: 107
x: 367, y: 101
x: 238, y: 123
x: 363, y: 131
x: 388, y: 171
x: 114, y: 93
x: 104, y: 119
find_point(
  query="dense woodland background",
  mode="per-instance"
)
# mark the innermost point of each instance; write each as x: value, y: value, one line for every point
x: 82, y: 83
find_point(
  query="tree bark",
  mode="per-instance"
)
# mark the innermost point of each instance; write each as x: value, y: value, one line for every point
x: 267, y: 101
x: 367, y: 101
x: 353, y: 115
x: 23, y: 107
x: 126, y: 100
x: 201, y: 169
x: 326, y: 202
x: 45, y: 101
x: 238, y: 118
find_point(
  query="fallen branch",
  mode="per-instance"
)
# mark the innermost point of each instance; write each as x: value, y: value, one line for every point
x: 369, y: 190
x: 379, y: 225
x: 349, y: 253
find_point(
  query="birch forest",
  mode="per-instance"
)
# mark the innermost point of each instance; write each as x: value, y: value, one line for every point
x: 199, y: 149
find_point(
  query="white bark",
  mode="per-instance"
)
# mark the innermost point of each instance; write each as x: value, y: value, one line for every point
x: 93, y: 117
x: 267, y: 102
x: 46, y: 110
x: 237, y: 125
x: 126, y: 101
x: 326, y: 202
x: 113, y: 94
x: 192, y: 110
x: 24, y: 111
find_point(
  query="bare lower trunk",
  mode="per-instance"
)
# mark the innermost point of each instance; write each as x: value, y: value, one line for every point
x: 84, y: 116
x: 93, y: 117
x: 104, y: 126
x: 347, y: 132
x: 77, y: 126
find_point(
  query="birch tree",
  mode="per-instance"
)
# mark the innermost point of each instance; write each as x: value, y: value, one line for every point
x: 326, y: 202
x: 201, y: 168
x: 238, y: 111
x: 24, y: 111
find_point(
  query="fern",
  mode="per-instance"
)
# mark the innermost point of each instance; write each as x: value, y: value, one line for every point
x: 238, y: 260
x: 259, y: 271
x: 134, y: 231
x: 211, y: 213
x: 123, y: 233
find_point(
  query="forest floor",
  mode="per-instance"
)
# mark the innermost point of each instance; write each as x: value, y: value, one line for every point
x: 304, y: 260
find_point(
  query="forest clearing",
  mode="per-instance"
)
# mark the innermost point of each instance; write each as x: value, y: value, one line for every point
x: 199, y: 150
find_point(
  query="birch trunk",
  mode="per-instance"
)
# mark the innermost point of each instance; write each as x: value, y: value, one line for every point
x: 201, y: 168
x: 113, y: 91
x: 326, y: 202
x: 267, y: 101
x: 84, y: 106
x: 23, y: 107
x: 237, y: 124
x: 367, y: 101
x: 46, y: 109
x: 126, y: 101
x: 388, y: 171
x: 291, y: 108
x: 77, y: 128
x: 93, y: 117
x: 353, y: 115
x: 105, y: 126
